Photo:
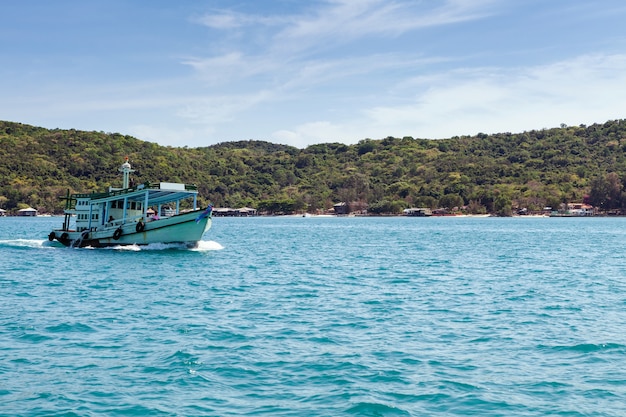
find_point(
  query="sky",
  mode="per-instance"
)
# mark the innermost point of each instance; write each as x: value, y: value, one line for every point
x: 199, y: 72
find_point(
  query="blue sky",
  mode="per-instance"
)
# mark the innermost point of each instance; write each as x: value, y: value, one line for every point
x: 198, y: 72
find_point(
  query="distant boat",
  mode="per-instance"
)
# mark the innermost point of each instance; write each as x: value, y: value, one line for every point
x: 124, y: 216
x: 418, y: 212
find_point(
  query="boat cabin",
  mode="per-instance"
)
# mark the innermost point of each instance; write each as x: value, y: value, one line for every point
x: 124, y: 205
x: 130, y: 205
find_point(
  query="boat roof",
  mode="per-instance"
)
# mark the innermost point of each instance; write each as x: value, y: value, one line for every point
x: 160, y: 193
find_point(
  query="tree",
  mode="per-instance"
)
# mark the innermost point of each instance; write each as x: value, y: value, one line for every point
x: 502, y: 205
x: 606, y: 192
x: 426, y: 201
x: 386, y: 207
x: 532, y: 169
x: 451, y: 201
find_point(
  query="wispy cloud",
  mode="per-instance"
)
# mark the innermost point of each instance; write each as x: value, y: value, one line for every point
x: 220, y: 109
x: 346, y: 20
x: 354, y: 19
x: 332, y: 70
x: 331, y: 23
x: 489, y: 100
x: 466, y: 101
x: 287, y: 60
x: 228, y: 19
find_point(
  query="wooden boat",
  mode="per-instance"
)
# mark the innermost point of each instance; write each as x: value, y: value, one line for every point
x: 133, y: 215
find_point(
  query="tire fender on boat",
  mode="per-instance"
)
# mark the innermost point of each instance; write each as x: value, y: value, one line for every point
x: 51, y: 236
x: 140, y: 227
x: 64, y: 236
x: 118, y: 233
x: 85, y: 235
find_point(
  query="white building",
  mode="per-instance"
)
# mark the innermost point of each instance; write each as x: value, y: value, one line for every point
x: 28, y: 212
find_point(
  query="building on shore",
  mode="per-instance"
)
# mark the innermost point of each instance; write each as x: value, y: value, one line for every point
x: 27, y: 212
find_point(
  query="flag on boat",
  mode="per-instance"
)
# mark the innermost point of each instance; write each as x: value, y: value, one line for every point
x: 205, y: 213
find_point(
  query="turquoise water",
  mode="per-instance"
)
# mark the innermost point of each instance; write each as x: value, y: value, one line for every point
x: 320, y: 317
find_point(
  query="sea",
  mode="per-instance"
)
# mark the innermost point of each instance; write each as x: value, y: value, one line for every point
x: 319, y: 316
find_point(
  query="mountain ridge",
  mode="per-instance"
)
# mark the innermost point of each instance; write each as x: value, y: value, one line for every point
x: 493, y: 173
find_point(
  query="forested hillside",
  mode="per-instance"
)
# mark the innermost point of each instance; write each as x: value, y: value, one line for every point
x: 485, y: 173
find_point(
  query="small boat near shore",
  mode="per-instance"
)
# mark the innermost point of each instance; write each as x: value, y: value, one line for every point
x: 133, y: 215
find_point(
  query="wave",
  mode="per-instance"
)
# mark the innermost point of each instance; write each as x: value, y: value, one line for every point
x: 376, y: 409
x: 586, y: 347
x: 70, y: 328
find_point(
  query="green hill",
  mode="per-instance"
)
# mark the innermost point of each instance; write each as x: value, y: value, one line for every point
x: 486, y: 173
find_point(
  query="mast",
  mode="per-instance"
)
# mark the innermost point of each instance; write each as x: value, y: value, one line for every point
x: 125, y: 169
x: 68, y: 206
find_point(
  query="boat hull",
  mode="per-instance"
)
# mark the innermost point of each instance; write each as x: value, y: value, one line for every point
x: 182, y: 228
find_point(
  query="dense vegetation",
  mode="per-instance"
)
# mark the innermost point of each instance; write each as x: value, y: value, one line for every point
x: 483, y: 173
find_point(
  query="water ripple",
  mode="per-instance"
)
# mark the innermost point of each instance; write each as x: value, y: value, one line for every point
x: 320, y: 317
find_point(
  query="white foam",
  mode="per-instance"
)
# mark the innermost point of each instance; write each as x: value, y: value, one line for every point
x: 129, y: 248
x: 207, y: 245
x: 28, y: 243
x: 203, y: 245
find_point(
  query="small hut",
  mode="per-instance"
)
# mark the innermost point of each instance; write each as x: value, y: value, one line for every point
x: 341, y: 208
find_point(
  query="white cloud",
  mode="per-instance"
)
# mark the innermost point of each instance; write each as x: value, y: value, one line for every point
x: 336, y: 70
x: 284, y: 67
x: 587, y: 89
x: 214, y: 110
x: 331, y: 23
x: 313, y: 132
x: 223, y: 20
x: 346, y: 20
x: 583, y: 90
x: 227, y: 19
x: 171, y: 136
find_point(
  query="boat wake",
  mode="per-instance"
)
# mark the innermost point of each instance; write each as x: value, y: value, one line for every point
x: 28, y: 243
x: 207, y: 245
x: 203, y: 246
